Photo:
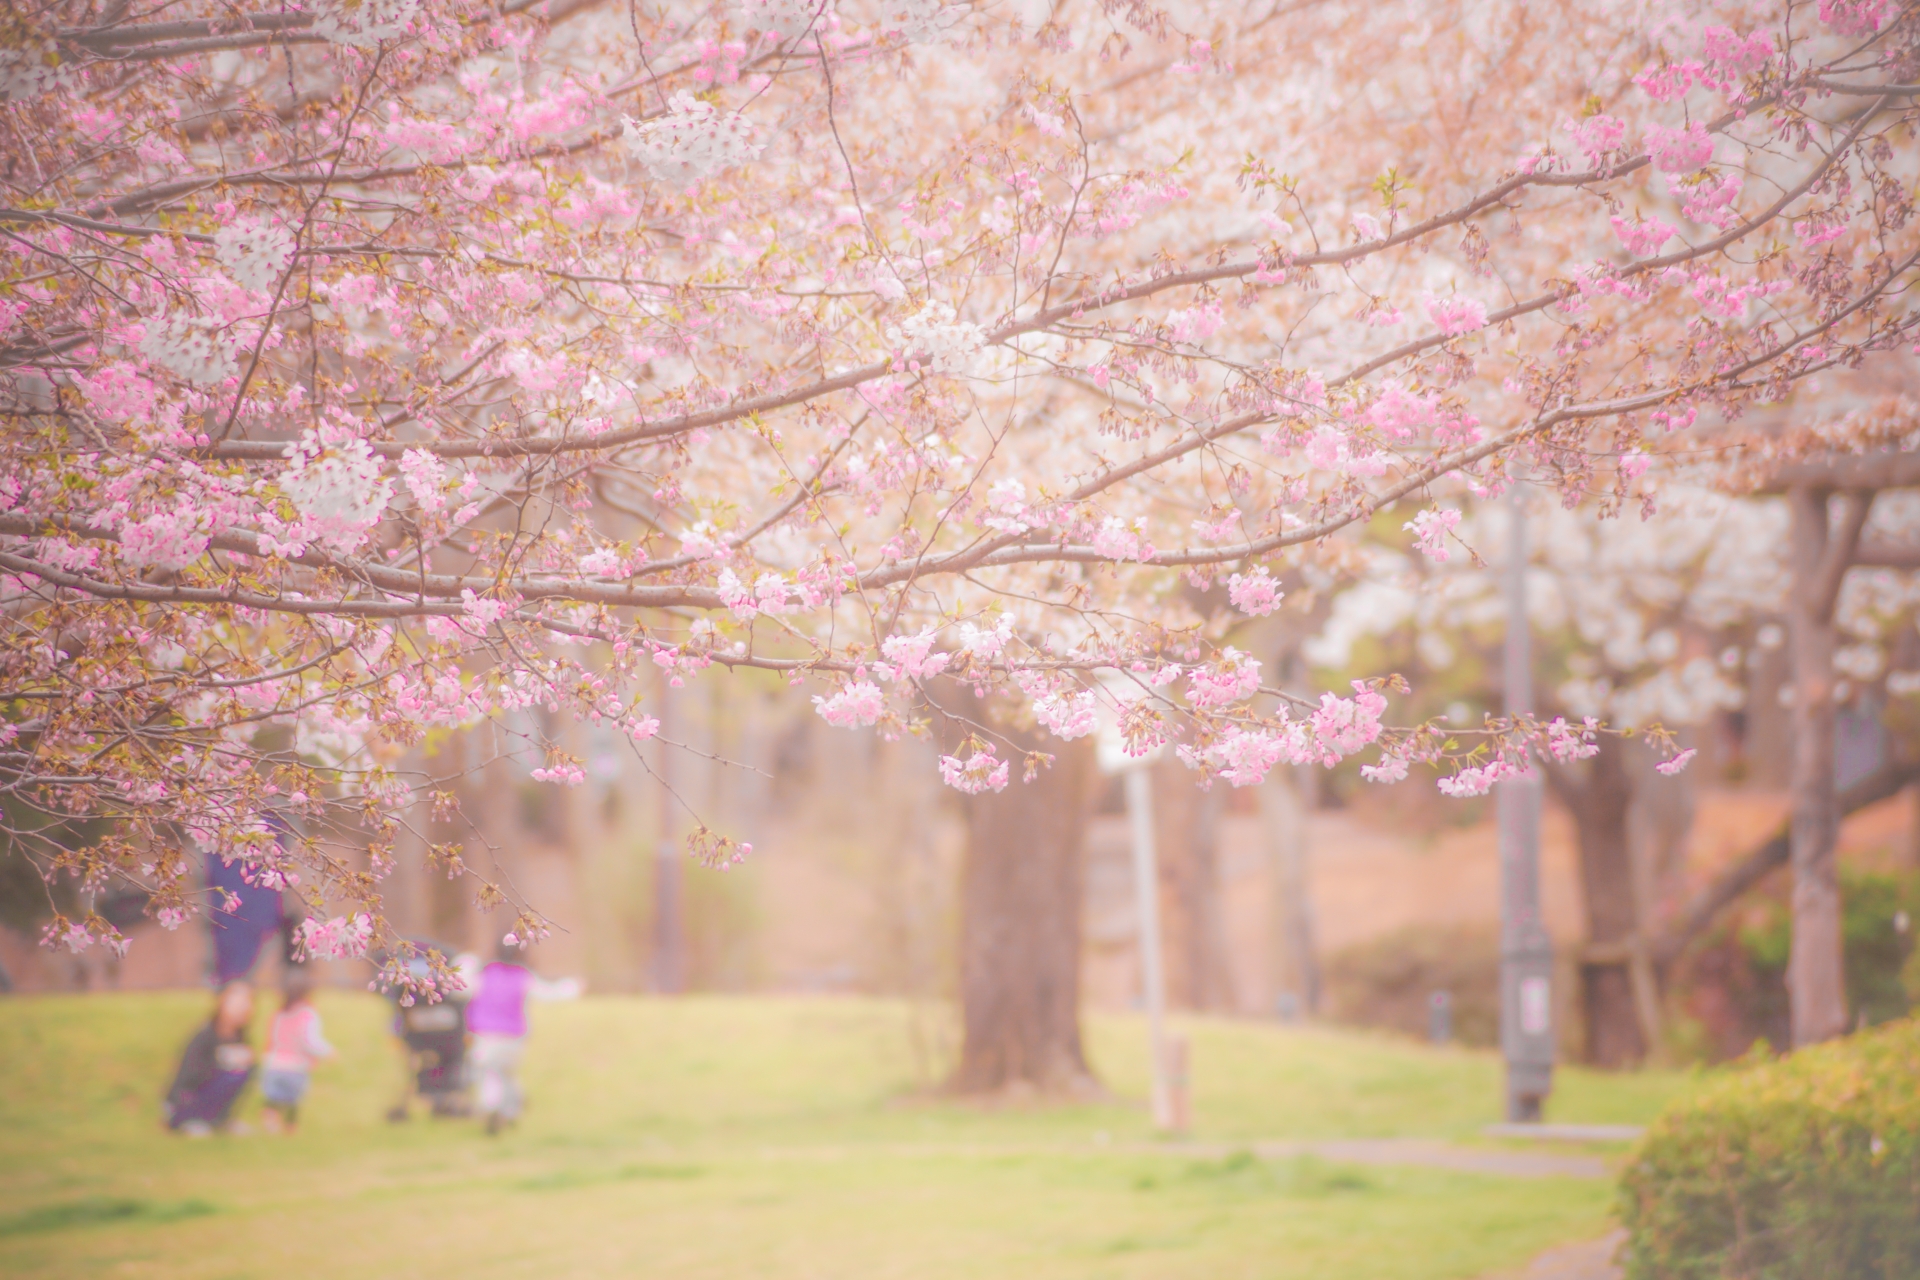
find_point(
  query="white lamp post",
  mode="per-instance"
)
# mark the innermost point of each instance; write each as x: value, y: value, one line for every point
x: 1138, y: 780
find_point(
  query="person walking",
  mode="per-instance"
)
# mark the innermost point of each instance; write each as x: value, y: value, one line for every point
x: 497, y: 1017
x: 294, y: 1043
x: 214, y: 1068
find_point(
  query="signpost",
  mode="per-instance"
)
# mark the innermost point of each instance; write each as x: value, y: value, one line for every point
x: 1526, y: 952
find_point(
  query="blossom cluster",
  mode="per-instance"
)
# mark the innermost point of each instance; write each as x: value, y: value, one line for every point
x: 693, y: 141
x: 497, y: 392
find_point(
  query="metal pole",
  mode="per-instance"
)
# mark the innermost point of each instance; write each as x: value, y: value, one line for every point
x: 1526, y: 952
x: 1146, y: 890
x: 668, y: 871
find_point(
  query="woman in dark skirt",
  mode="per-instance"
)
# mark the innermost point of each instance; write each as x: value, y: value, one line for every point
x: 216, y: 1066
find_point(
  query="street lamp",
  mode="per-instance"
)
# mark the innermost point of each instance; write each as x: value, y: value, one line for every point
x: 1136, y: 772
x: 1526, y: 952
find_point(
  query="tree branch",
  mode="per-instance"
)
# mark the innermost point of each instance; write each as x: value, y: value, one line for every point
x: 1733, y: 882
x: 1872, y: 555
x: 1884, y: 469
x: 1824, y: 590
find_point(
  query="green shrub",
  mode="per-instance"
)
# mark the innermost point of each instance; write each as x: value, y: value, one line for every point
x: 1876, y: 936
x: 1808, y: 1166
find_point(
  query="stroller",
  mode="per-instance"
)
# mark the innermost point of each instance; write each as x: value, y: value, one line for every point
x: 434, y: 1037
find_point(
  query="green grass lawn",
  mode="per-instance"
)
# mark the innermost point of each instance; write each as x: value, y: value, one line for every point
x: 764, y: 1138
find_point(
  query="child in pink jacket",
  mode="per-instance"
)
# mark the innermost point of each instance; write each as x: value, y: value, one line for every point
x: 294, y: 1044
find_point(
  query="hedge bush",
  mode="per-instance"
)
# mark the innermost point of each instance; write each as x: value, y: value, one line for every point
x: 1808, y: 1166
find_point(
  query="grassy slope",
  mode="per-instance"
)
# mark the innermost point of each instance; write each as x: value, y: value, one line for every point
x: 764, y: 1138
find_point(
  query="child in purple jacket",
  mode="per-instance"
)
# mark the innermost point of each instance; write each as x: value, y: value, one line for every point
x: 497, y: 1020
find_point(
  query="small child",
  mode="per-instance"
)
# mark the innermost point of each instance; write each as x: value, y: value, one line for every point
x: 294, y: 1044
x: 497, y: 1017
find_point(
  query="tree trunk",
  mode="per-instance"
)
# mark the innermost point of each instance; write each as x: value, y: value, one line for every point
x: 1816, y: 976
x: 1186, y: 834
x: 1021, y: 891
x: 1293, y: 960
x: 1659, y: 824
x: 1912, y: 859
x: 1598, y: 803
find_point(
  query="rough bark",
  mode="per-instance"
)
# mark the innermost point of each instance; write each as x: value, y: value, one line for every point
x: 1597, y: 797
x: 1021, y: 889
x: 1816, y: 979
x: 1193, y: 917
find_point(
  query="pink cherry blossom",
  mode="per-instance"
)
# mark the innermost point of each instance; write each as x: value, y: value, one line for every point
x: 1567, y: 743
x: 1195, y: 324
x: 855, y: 705
x: 979, y: 772
x: 1431, y: 529
x: 1401, y: 413
x: 1477, y: 780
x: 1713, y: 200
x: 911, y: 657
x: 341, y: 937
x: 1342, y: 726
x: 1244, y: 757
x: 164, y: 540
x: 1644, y: 237
x: 1232, y: 677
x: 1598, y: 136
x: 1456, y: 315
x: 1733, y: 54
x: 1855, y: 17
x: 1663, y: 84
x: 1391, y: 768
x: 1067, y: 716
x: 424, y: 473
x: 1814, y: 233
x: 1255, y: 592
x: 1683, y: 150
x: 1677, y: 763
x: 1122, y: 540
x: 498, y: 386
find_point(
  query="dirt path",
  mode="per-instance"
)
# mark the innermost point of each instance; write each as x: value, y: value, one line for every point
x: 1414, y: 1151
x: 1422, y: 1152
x: 1588, y: 1260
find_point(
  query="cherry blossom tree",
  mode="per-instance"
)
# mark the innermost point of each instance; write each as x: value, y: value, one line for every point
x: 1664, y: 622
x: 374, y: 369
x: 1645, y: 625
